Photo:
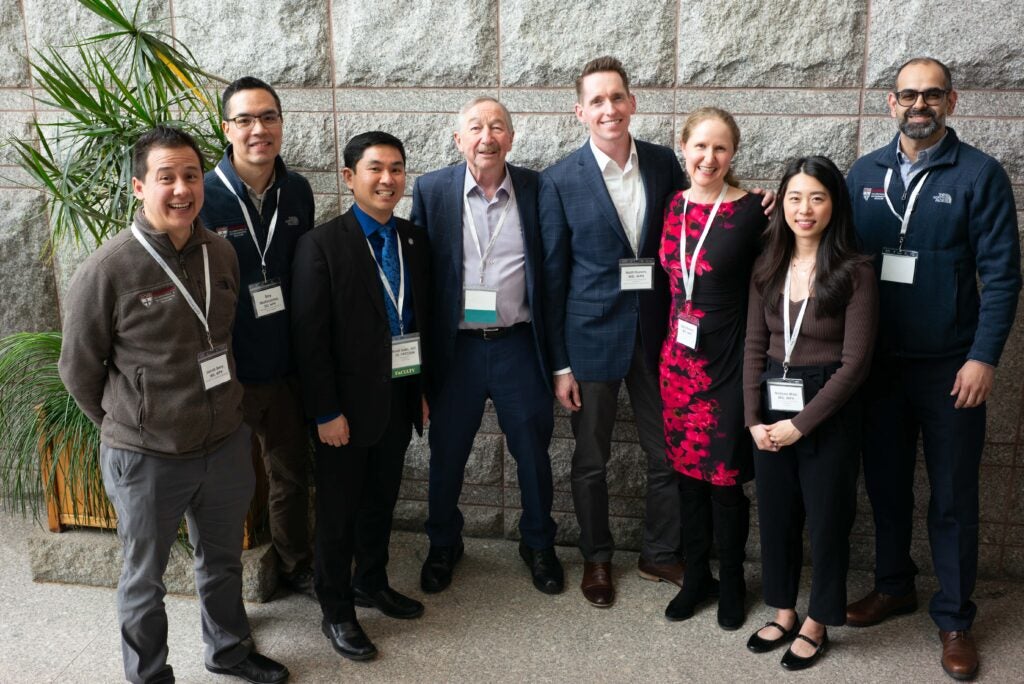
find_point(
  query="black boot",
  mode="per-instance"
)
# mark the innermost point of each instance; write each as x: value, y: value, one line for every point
x: 732, y: 525
x: 698, y: 584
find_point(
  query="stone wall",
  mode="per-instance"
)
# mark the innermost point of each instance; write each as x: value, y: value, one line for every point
x: 807, y: 76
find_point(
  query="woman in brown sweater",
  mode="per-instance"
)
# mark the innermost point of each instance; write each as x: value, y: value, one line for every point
x: 811, y: 324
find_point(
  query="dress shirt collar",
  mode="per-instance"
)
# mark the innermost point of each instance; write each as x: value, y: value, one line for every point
x: 470, y: 184
x: 922, y: 157
x: 603, y: 160
x: 370, y: 224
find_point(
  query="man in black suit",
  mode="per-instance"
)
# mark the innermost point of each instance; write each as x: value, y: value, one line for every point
x: 359, y: 300
x: 487, y: 337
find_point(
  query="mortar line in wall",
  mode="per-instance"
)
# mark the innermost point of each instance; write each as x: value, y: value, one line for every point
x: 35, y: 117
x: 332, y: 71
x: 864, y: 77
x: 497, y: 34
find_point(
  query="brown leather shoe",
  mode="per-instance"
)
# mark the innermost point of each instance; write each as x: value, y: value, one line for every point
x: 597, y: 584
x: 668, y: 572
x: 959, y: 654
x: 877, y: 606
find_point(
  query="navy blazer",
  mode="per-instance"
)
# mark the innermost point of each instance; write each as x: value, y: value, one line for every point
x: 592, y: 324
x: 340, y: 332
x: 437, y: 205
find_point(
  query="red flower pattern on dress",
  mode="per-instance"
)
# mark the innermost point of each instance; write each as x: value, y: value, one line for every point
x: 691, y: 422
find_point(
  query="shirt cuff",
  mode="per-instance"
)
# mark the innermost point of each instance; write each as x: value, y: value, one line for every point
x: 563, y: 371
x: 320, y: 420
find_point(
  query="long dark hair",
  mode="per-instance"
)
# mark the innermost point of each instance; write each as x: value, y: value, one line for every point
x: 837, y: 255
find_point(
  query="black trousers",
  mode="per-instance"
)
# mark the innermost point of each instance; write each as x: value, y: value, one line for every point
x: 813, y: 480
x: 357, y: 488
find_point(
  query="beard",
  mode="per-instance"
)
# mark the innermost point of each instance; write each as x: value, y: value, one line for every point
x: 920, y: 131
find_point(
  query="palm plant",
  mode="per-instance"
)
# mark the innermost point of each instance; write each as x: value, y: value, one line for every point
x: 115, y: 86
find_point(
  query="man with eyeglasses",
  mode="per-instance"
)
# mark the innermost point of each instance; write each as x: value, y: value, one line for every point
x: 938, y: 216
x: 263, y: 208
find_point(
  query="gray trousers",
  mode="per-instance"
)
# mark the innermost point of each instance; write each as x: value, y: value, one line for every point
x: 150, y: 494
x: 592, y: 427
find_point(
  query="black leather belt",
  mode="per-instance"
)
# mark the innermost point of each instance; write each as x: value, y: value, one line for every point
x: 488, y: 334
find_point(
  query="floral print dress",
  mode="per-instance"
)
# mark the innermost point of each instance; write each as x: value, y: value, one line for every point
x: 702, y: 391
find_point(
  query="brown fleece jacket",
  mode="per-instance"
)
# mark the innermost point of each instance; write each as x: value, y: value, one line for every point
x: 131, y: 344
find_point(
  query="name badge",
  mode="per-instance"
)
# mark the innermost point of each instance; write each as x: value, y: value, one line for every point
x: 636, y: 274
x: 213, y: 365
x: 405, y: 355
x: 786, y: 394
x: 688, y: 331
x: 898, y: 265
x: 267, y: 298
x: 481, y: 305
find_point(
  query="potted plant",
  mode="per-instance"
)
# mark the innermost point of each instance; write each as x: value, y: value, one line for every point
x: 111, y: 88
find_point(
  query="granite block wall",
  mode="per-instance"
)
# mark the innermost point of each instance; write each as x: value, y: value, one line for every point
x: 806, y: 76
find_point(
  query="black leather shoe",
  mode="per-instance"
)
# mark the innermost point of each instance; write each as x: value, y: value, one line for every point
x: 547, y: 572
x: 299, y: 582
x: 759, y: 644
x: 349, y: 639
x: 389, y: 602
x: 436, y: 574
x: 255, y: 668
x: 792, y: 662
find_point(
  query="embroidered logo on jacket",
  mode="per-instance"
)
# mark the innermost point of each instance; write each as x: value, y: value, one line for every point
x: 943, y: 198
x: 162, y: 295
x: 874, y: 194
x: 235, y: 231
x: 292, y: 220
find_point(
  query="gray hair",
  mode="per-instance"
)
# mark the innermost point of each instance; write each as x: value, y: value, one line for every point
x: 479, y: 100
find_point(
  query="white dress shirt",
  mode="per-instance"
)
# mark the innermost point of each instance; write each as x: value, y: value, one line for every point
x: 626, y: 189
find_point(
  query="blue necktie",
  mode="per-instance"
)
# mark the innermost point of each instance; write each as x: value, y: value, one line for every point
x: 389, y: 264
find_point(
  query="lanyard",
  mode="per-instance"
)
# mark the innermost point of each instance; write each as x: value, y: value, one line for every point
x: 689, y: 274
x: 248, y: 221
x: 905, y: 218
x: 401, y: 279
x: 177, y: 283
x: 486, y: 254
x: 789, y: 338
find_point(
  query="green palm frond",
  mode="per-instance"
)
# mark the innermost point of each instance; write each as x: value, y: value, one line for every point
x: 37, y: 415
x: 121, y: 83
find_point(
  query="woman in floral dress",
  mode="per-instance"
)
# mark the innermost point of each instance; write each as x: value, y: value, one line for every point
x: 701, y: 370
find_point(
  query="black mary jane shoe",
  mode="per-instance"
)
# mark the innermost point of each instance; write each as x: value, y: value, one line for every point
x: 793, y: 662
x: 758, y: 644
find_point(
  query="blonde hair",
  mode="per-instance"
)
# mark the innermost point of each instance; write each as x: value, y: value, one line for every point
x: 704, y: 114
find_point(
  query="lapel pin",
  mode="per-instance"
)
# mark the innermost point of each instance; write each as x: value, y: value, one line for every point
x: 410, y: 241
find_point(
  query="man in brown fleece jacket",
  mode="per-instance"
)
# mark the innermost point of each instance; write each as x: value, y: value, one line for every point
x: 147, y: 356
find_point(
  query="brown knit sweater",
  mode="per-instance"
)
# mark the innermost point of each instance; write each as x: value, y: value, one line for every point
x: 848, y: 339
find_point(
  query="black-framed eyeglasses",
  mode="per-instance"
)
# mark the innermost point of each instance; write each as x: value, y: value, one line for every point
x: 932, y: 96
x: 268, y: 119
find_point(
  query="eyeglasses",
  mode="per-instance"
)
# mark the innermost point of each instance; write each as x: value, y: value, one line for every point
x: 932, y: 96
x: 245, y: 121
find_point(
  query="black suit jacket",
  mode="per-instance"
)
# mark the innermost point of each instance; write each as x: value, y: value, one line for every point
x: 437, y: 204
x: 340, y: 332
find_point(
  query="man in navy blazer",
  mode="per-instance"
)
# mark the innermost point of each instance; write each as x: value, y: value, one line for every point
x: 606, y: 304
x: 487, y: 337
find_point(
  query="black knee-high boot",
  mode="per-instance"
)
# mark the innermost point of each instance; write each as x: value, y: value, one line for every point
x: 698, y: 584
x: 732, y: 525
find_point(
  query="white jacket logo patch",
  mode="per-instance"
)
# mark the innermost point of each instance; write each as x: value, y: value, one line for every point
x: 943, y: 198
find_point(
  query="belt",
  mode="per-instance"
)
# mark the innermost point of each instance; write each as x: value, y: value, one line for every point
x: 488, y: 334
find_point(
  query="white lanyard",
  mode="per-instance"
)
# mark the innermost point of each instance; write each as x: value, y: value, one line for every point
x: 177, y: 283
x: 905, y: 218
x: 486, y: 254
x: 248, y: 221
x: 789, y: 338
x: 689, y: 274
x: 401, y: 278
